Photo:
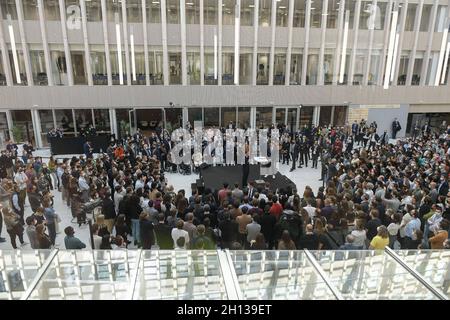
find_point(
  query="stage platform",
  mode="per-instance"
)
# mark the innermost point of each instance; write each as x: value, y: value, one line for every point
x: 214, y: 177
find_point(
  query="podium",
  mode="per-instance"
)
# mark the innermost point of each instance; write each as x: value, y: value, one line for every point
x: 264, y: 166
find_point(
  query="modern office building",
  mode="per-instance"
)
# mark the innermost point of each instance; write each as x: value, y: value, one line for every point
x: 127, y: 64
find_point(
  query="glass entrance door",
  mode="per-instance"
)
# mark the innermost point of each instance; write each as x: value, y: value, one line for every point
x: 286, y: 116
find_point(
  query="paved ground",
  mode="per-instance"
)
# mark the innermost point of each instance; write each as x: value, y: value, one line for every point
x: 301, y: 177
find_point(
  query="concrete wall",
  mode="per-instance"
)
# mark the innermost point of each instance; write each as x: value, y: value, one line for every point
x: 385, y: 116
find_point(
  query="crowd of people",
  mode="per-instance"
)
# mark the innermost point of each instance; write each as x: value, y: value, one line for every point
x: 376, y: 193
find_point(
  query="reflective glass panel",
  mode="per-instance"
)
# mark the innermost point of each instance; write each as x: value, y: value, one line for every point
x: 370, y: 275
x: 278, y: 275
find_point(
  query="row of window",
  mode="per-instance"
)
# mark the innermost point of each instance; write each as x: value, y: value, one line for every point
x: 370, y: 16
x: 156, y: 77
x: 75, y: 121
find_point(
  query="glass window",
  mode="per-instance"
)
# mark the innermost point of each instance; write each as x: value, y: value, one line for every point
x: 339, y: 115
x: 366, y: 15
x: 209, y: 68
x: 175, y: 67
x: 153, y: 11
x: 245, y: 68
x: 306, y: 116
x: 210, y: 12
x: 94, y: 10
x: 346, y: 68
x: 52, y: 10
x: 410, y: 17
x: 212, y: 116
x: 263, y: 69
x: 282, y: 13
x: 299, y: 14
x: 332, y: 14
x: 228, y: 116
x: 193, y: 67
x: 173, y: 11
x: 247, y: 12
x: 4, y: 130
x: 134, y: 11
x: 360, y: 66
x: 194, y: 114
x: 115, y: 66
x: 124, y: 123
x: 98, y: 67
x: 46, y: 120
x: 156, y: 66
x: 328, y: 67
x: 426, y: 16
x: 83, y: 119
x: 227, y: 68
x: 244, y: 117
x: 415, y: 81
x: 102, y: 123
x: 312, y: 68
x: 403, y: 68
x: 21, y: 63
x: 59, y: 68
x: 79, y: 73
x: 148, y: 120
x: 280, y: 116
x: 375, y: 61
x: 316, y: 14
x: 2, y: 74
x: 22, y: 126
x: 441, y: 22
x: 38, y: 68
x: 9, y: 8
x: 279, y: 69
x: 228, y: 8
x: 30, y: 11
x: 325, y: 116
x: 265, y: 7
x: 64, y: 120
x: 174, y: 118
x: 193, y: 12
x: 139, y: 59
x: 114, y: 8
x: 263, y: 117
x: 296, y: 69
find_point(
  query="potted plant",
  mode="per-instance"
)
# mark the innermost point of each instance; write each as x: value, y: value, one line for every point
x: 17, y: 133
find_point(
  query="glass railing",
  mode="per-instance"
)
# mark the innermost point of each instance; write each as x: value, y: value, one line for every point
x: 223, y: 274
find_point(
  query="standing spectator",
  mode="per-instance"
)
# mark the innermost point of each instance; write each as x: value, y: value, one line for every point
x: 50, y: 218
x: 381, y: 240
x: 43, y: 239
x: 178, y: 232
x: 13, y: 226
x: 146, y: 233
x: 31, y: 232
x: 70, y: 241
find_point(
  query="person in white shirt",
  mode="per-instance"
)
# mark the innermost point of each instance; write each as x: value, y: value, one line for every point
x: 311, y: 210
x: 97, y: 239
x: 394, y: 227
x: 179, y: 232
x: 434, y: 221
x: 84, y: 187
x: 360, y: 234
x: 140, y: 183
x: 21, y: 179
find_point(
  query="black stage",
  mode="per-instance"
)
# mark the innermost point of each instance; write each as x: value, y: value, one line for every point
x: 214, y: 177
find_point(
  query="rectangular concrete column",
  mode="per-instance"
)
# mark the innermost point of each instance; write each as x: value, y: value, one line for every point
x: 306, y: 46
x: 412, y: 56
x: 48, y: 66
x: 87, y: 54
x: 145, y: 35
x: 164, y: 42
x: 125, y: 41
x: 272, y: 41
x: 106, y: 41
x: 337, y: 60
x: 219, y: 50
x: 255, y: 42
x: 5, y: 55
x: 202, y: 44
x: 320, y: 80
x: 26, y: 53
x: 287, y: 73
x: 183, y: 42
x: 62, y: 12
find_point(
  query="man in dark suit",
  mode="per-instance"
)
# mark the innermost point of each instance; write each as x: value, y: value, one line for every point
x: 443, y: 186
x: 88, y: 149
x: 294, y: 149
x: 163, y: 234
x: 355, y: 128
x: 395, y: 128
